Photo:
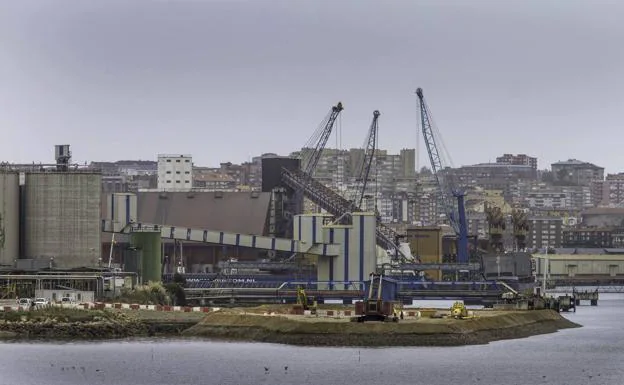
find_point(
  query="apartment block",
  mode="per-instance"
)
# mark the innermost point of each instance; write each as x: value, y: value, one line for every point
x: 593, y: 237
x: 545, y: 232
x: 576, y: 172
x: 519, y: 160
x: 213, y: 179
x: 578, y: 197
x: 175, y: 172
x: 477, y: 224
x: 546, y: 198
x: 427, y: 205
x: 601, y: 194
x: 613, y: 189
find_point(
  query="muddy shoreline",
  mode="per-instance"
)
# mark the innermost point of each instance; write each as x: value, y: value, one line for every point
x: 447, y: 332
x: 71, y: 324
x: 280, y: 328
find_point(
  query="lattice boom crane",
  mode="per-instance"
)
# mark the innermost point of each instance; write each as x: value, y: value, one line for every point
x: 367, y: 161
x: 457, y: 218
x: 326, y: 129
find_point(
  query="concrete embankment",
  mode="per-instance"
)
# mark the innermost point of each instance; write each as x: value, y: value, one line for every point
x: 486, y: 327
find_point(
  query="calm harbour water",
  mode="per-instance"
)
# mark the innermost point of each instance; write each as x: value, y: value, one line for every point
x: 593, y: 354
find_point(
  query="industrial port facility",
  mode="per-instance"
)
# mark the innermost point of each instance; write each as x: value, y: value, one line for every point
x: 60, y: 233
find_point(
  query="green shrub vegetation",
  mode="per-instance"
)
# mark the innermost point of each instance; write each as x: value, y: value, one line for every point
x: 61, y: 314
x: 155, y: 293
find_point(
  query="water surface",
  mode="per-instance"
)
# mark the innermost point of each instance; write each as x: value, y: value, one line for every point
x: 593, y: 354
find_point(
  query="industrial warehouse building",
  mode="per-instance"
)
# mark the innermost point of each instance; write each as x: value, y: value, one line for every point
x: 582, y: 264
x: 233, y: 212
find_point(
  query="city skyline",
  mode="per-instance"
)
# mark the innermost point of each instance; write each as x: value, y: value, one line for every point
x: 120, y: 79
x: 499, y: 158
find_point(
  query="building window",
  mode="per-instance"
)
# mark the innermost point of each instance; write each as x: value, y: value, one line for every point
x: 168, y: 172
x: 168, y: 181
x: 168, y: 160
x: 177, y: 160
x: 177, y: 172
x: 187, y: 161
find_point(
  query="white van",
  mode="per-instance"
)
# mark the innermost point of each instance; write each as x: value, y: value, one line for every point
x: 68, y: 301
x: 24, y: 302
x: 42, y: 301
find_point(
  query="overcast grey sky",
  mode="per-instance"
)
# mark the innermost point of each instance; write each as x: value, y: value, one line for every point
x: 227, y: 80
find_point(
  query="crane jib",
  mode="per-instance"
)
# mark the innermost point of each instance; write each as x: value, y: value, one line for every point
x: 457, y: 218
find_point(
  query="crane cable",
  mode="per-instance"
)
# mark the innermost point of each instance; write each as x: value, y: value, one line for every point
x: 374, y: 164
x: 3, y: 212
x: 354, y: 190
x: 310, y: 147
x: 340, y: 159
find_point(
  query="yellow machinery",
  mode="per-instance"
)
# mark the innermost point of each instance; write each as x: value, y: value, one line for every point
x: 459, y: 311
x: 305, y: 302
x: 397, y: 312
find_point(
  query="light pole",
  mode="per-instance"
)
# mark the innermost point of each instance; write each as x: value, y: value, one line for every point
x: 544, y: 262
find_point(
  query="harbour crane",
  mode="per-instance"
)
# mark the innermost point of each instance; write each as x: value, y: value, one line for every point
x: 456, y: 215
x: 319, y: 140
x: 370, y: 150
x: 303, y: 183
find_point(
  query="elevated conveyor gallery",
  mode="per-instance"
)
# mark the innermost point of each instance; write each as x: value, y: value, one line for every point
x: 438, y: 266
x: 333, y: 202
x: 345, y: 252
x: 122, y: 218
x: 224, y: 238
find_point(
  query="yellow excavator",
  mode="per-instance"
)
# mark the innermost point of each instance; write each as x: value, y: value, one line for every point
x: 459, y: 311
x: 307, y: 303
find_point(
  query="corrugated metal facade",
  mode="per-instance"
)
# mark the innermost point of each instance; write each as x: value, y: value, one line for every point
x: 62, y: 217
x: 234, y: 212
x: 9, y: 217
x: 358, y: 254
x: 507, y: 265
x: 578, y: 265
x: 426, y: 244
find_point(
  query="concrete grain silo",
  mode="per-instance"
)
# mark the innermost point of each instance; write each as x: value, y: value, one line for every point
x: 61, y: 214
x: 9, y: 217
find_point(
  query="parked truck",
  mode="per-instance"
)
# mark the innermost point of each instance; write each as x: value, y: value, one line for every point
x: 380, y: 301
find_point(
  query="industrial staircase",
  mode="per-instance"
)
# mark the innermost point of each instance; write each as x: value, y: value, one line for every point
x: 335, y: 204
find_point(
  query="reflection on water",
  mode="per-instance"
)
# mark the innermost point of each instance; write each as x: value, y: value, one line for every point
x: 589, y: 355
